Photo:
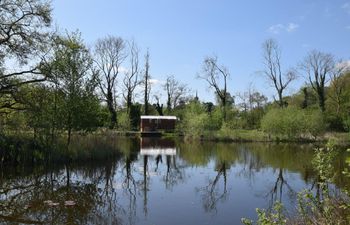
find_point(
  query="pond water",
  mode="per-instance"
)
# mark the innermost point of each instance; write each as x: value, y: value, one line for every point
x: 161, y: 181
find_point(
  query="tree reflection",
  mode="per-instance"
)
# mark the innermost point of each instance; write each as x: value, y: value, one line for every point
x: 174, y: 173
x: 41, y: 199
x: 212, y: 194
x: 145, y: 183
x: 276, y: 193
x: 117, y: 190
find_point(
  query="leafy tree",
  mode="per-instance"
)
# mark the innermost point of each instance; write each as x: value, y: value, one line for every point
x: 338, y: 103
x: 23, y: 36
x: 71, y: 66
x: 40, y: 110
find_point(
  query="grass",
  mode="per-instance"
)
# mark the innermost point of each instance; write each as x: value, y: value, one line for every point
x: 242, y: 135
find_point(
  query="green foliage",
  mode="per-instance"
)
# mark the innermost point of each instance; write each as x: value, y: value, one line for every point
x: 338, y: 102
x: 324, y: 206
x: 74, y: 84
x: 23, y: 36
x: 215, y: 119
x: 283, y: 121
x: 134, y: 116
x: 250, y: 119
x: 314, y: 123
x: 292, y: 122
x: 124, y: 121
x: 194, y: 120
x: 276, y: 216
x: 323, y: 161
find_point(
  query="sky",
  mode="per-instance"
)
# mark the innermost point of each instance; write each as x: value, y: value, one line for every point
x: 179, y: 34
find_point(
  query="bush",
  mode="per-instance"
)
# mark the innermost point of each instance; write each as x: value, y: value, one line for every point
x: 124, y: 121
x: 314, y: 123
x: 196, y: 120
x: 293, y: 123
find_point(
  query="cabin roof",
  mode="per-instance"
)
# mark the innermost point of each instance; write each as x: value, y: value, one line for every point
x: 159, y: 117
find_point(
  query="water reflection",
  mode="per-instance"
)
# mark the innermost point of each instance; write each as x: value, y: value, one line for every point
x: 153, y: 178
x: 157, y: 146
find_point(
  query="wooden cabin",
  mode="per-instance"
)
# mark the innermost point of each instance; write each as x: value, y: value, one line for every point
x: 157, y: 124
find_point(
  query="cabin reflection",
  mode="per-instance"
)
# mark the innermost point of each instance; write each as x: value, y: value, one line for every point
x: 152, y: 146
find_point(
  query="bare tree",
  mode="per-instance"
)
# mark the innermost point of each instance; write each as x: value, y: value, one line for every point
x: 318, y: 67
x: 273, y: 71
x: 147, y: 84
x: 109, y: 55
x: 131, y: 78
x: 175, y: 91
x: 213, y: 73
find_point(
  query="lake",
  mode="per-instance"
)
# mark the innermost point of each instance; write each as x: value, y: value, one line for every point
x: 162, y: 181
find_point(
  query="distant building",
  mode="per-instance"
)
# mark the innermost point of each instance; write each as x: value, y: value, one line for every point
x: 158, y: 123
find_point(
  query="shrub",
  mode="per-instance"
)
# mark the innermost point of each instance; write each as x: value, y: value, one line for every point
x: 293, y: 122
x: 124, y: 121
x: 196, y: 120
x: 314, y: 123
x: 284, y: 121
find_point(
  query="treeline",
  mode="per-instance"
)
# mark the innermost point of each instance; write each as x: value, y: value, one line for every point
x: 51, y: 85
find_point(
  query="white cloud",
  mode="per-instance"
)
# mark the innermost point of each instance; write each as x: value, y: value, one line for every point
x: 123, y: 69
x: 278, y: 28
x: 292, y: 27
x: 346, y: 7
x: 155, y: 81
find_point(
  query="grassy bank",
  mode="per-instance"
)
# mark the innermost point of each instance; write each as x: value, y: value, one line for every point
x: 238, y: 135
x: 241, y: 135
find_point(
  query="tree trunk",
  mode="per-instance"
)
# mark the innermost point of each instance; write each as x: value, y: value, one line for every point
x: 128, y: 101
x: 111, y: 109
x: 321, y: 99
x: 168, y: 104
x: 145, y: 165
x: 146, y: 96
x: 69, y: 136
x: 280, y: 99
x: 224, y: 107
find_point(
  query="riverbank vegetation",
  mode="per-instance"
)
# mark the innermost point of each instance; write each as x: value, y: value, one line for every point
x: 326, y: 205
x: 53, y: 86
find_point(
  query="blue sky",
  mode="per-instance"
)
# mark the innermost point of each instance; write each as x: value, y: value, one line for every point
x: 180, y: 33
